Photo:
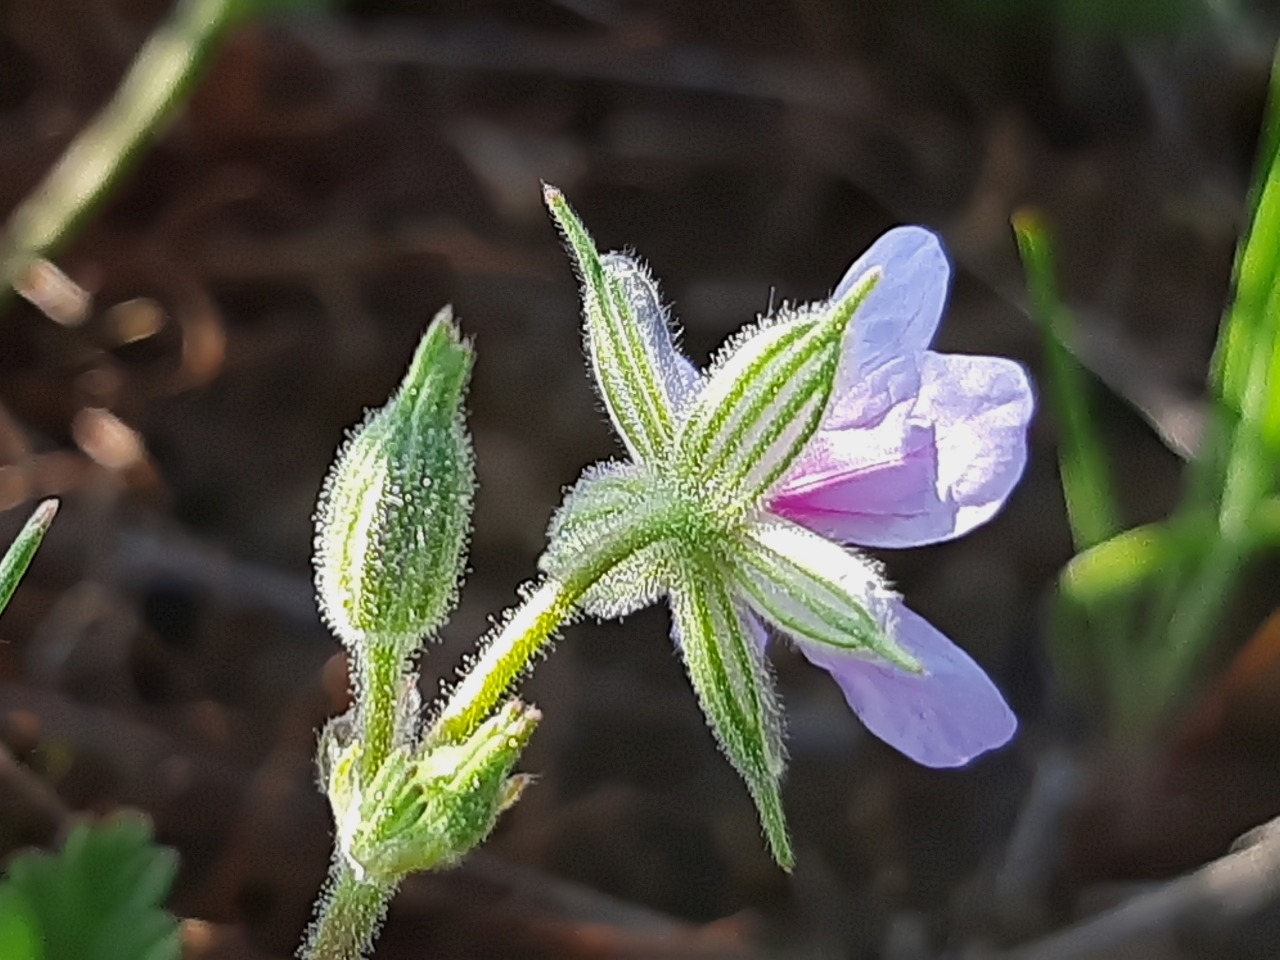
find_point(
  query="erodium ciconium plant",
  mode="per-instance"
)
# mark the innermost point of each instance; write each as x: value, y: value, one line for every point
x: 744, y: 488
x: 820, y: 426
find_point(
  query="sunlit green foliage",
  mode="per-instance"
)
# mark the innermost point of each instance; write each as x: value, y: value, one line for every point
x: 1140, y: 607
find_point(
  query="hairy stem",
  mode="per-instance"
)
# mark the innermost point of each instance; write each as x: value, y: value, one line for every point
x: 382, y: 673
x: 530, y: 628
x: 347, y: 917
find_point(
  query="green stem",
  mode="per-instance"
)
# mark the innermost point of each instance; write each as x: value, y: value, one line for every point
x: 348, y: 916
x: 528, y: 630
x: 350, y: 909
x: 382, y: 674
x: 349, y: 912
x: 157, y: 83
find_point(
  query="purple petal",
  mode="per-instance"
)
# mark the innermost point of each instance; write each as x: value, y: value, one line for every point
x: 980, y: 408
x: 930, y: 470
x: 876, y: 487
x: 893, y: 326
x: 943, y: 717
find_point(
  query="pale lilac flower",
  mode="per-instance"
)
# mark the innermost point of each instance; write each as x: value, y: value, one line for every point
x: 827, y: 425
x: 917, y: 447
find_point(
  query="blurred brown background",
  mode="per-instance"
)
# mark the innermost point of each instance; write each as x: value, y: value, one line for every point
x: 262, y: 276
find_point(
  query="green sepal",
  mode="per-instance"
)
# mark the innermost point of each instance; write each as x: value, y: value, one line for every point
x: 393, y: 518
x: 612, y: 530
x: 813, y: 589
x: 730, y: 674
x: 624, y: 350
x: 766, y: 397
x: 427, y: 808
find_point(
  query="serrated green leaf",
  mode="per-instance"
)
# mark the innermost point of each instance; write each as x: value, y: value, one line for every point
x: 99, y: 898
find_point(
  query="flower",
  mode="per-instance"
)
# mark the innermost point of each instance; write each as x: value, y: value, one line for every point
x: 917, y: 447
x: 826, y: 425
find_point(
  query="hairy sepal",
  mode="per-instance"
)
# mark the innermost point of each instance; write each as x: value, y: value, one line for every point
x: 816, y: 591
x: 626, y: 349
x: 395, y: 512
x: 609, y: 533
x: 765, y: 399
x: 730, y: 674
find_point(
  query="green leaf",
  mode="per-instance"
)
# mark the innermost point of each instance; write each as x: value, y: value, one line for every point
x: 19, y: 555
x: 97, y: 899
x: 1091, y: 505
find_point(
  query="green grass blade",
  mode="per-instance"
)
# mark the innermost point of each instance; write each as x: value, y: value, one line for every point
x: 1245, y: 375
x: 1091, y: 506
x: 18, y: 558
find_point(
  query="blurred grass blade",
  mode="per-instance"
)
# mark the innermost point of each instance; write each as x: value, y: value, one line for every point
x: 1239, y: 466
x: 1118, y: 567
x: 1268, y: 140
x: 19, y: 555
x: 1245, y: 375
x: 1091, y: 505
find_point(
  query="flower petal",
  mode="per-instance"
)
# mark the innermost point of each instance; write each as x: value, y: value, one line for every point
x: 943, y: 717
x: 980, y: 408
x: 876, y: 487
x: 894, y: 325
x: 928, y: 471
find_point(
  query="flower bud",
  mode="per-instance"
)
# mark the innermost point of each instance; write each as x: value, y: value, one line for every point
x: 427, y: 809
x: 393, y: 518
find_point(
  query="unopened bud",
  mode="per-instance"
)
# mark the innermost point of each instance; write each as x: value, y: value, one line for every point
x: 393, y: 518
